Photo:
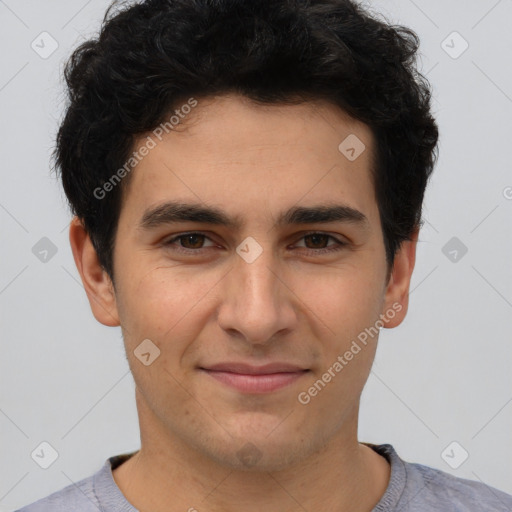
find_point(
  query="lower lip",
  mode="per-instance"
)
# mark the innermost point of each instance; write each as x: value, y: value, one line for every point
x: 256, y: 383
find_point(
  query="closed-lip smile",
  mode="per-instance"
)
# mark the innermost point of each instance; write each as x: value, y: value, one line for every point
x: 249, y: 378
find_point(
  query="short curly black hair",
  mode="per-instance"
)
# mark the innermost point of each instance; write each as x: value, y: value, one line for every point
x: 152, y: 54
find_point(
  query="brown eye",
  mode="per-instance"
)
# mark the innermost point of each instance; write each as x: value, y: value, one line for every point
x: 189, y: 243
x: 319, y: 240
x: 318, y: 243
x: 192, y: 241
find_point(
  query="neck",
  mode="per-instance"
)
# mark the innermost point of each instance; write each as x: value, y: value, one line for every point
x: 164, y: 476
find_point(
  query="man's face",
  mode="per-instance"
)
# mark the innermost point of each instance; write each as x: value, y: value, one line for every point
x: 258, y: 293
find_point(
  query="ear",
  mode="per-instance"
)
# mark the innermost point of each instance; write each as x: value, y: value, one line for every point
x: 396, y: 299
x: 97, y: 284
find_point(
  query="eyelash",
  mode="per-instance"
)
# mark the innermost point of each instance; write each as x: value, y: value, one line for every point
x: 339, y: 244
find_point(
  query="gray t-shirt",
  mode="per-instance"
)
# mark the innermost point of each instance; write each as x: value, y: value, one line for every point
x: 412, y: 488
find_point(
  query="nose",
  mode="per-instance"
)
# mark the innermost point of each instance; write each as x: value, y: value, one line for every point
x: 257, y: 301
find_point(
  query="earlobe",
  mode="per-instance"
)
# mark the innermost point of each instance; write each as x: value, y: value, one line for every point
x: 396, y: 300
x: 97, y: 283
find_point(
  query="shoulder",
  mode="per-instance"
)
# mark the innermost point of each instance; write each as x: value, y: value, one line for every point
x: 88, y: 495
x: 79, y: 497
x: 417, y: 487
x: 458, y: 494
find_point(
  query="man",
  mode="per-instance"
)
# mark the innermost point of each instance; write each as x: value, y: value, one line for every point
x: 247, y: 180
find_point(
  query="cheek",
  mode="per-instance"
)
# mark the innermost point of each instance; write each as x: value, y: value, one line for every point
x: 164, y: 304
x: 346, y: 305
x: 342, y: 301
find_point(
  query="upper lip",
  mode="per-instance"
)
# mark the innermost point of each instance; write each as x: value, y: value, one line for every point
x: 248, y: 369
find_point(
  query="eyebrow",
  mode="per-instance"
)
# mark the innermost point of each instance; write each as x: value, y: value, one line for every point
x: 174, y: 211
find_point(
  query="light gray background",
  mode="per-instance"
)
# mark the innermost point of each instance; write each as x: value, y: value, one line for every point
x: 442, y: 376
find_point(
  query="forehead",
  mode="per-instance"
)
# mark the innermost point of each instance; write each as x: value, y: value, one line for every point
x: 247, y: 157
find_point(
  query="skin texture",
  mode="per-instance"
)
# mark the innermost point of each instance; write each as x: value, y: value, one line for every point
x: 289, y: 305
